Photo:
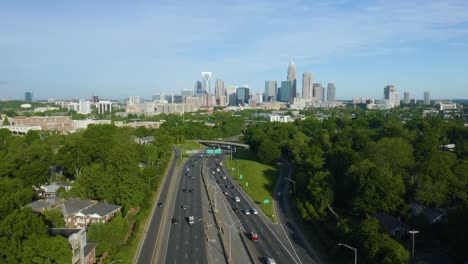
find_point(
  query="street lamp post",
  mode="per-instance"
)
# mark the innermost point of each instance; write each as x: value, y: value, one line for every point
x: 149, y: 186
x: 414, y: 232
x: 238, y: 169
x: 294, y: 182
x: 353, y: 249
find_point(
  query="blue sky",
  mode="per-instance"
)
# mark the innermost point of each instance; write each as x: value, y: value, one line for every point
x: 115, y: 49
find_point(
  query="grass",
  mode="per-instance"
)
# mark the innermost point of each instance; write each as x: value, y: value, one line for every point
x: 190, y: 145
x: 261, y: 179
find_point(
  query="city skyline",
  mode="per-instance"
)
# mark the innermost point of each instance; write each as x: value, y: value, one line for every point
x: 114, y: 50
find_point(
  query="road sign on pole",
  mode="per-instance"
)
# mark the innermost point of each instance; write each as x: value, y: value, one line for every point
x: 210, y: 151
x: 217, y: 151
x: 266, y: 201
x: 241, y: 176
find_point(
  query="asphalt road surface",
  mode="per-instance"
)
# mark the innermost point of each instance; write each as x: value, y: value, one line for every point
x: 187, y: 242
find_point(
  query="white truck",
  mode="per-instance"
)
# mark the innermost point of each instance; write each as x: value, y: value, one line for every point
x: 191, y: 220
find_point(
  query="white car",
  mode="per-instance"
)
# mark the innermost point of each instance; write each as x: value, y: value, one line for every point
x: 237, y: 199
x: 254, y: 211
x: 247, y: 212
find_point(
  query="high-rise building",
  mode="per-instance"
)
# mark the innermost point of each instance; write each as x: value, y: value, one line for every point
x: 28, y: 96
x: 231, y: 95
x: 104, y: 107
x: 219, y: 88
x: 331, y: 92
x: 318, y: 91
x: 198, y: 86
x: 133, y: 100
x: 95, y: 99
x: 85, y: 106
x: 207, y: 87
x: 270, y: 91
x: 427, y: 99
x: 285, y: 92
x: 186, y: 93
x: 406, y: 97
x: 391, y: 95
x: 242, y: 96
x: 307, y: 81
x: 292, y: 78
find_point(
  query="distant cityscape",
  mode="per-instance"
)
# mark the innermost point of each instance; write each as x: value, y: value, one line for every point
x: 284, y: 95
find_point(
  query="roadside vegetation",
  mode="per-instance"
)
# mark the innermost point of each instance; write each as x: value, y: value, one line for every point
x: 261, y: 179
x: 348, y: 169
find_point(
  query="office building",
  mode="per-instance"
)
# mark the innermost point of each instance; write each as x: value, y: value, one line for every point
x: 28, y: 96
x: 318, y: 91
x: 95, y: 99
x: 331, y: 92
x: 406, y: 97
x: 391, y: 95
x: 292, y: 78
x: 198, y: 86
x: 104, y: 107
x: 207, y: 87
x: 85, y: 107
x: 219, y: 88
x: 74, y: 107
x: 186, y: 93
x: 427, y: 99
x: 270, y: 91
x: 134, y: 100
x: 242, y: 94
x: 307, y: 81
x: 231, y: 95
x: 52, y: 123
x: 285, y: 91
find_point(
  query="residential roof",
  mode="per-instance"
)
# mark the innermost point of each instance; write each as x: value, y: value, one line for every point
x: 89, y: 246
x: 38, y: 205
x: 101, y: 209
x: 65, y: 232
x: 389, y: 223
x: 61, y: 183
x: 431, y: 214
x: 74, y: 205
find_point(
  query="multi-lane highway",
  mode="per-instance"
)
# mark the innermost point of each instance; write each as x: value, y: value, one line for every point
x: 269, y: 244
x: 187, y: 240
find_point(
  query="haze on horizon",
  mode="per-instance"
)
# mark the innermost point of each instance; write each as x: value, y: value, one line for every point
x: 116, y: 49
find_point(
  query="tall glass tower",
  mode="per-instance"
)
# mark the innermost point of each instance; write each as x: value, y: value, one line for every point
x: 307, y: 85
x: 292, y: 78
x: 207, y: 86
x: 331, y: 91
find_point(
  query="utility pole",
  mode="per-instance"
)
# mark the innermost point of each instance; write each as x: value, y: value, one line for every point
x: 413, y: 233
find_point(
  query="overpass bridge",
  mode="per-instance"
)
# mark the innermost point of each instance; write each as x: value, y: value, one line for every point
x: 223, y: 143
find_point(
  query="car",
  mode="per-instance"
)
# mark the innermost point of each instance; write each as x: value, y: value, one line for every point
x: 191, y: 220
x: 225, y: 192
x: 270, y: 261
x: 234, y: 187
x: 188, y: 169
x: 183, y: 207
x: 237, y: 199
x: 227, y: 186
x: 191, y: 190
x: 224, y: 178
x: 175, y: 221
x: 253, y: 236
x: 218, y: 181
x: 184, y: 190
x: 160, y: 204
x: 246, y: 212
x: 235, y: 209
x: 254, y: 211
x: 279, y: 194
x: 191, y: 177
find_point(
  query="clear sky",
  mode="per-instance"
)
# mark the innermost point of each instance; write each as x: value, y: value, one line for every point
x: 115, y: 49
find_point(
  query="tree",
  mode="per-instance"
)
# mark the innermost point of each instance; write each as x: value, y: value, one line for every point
x: 376, y: 188
x: 54, y: 218
x: 458, y: 233
x: 14, y: 194
x: 395, y: 153
x: 268, y: 151
x: 320, y: 192
x: 46, y: 249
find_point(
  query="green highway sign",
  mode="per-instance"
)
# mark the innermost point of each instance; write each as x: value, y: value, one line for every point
x: 210, y: 151
x: 241, y: 176
x: 217, y: 151
x: 266, y: 201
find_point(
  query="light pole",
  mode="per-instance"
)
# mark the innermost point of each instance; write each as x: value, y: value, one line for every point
x: 414, y: 232
x: 353, y: 249
x: 294, y: 182
x: 149, y: 186
x: 237, y: 169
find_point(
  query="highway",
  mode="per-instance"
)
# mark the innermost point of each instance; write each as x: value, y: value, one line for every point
x: 147, y: 251
x: 269, y: 243
x: 187, y: 242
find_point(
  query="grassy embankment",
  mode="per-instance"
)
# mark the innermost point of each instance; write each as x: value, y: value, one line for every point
x: 261, y: 178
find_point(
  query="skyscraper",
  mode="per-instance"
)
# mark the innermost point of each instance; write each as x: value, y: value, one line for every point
x: 406, y: 98
x: 242, y: 95
x: 270, y: 91
x: 207, y: 86
x: 28, y: 96
x: 292, y: 78
x: 307, y: 81
x: 427, y: 99
x: 318, y: 91
x: 219, y: 88
x: 391, y: 95
x: 331, y: 91
x: 285, y: 91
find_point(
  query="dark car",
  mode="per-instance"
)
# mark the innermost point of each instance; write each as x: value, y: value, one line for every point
x: 235, y: 209
x: 175, y: 221
x: 183, y: 207
x: 184, y: 190
x: 191, y: 190
x: 160, y: 204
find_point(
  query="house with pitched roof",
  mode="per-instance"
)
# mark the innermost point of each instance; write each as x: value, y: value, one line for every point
x: 392, y: 226
x: 96, y: 213
x: 69, y: 209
